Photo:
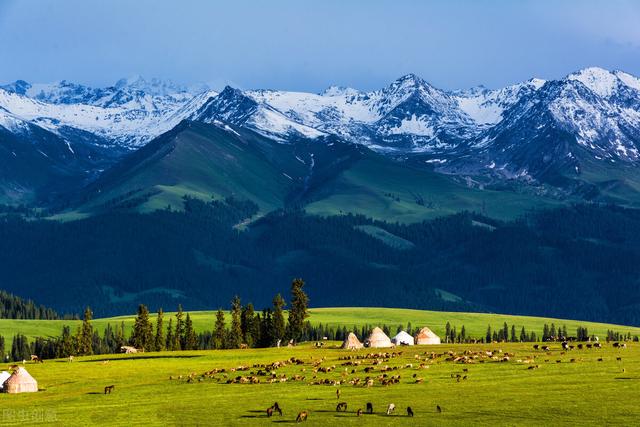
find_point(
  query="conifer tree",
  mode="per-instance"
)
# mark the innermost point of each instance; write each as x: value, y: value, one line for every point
x: 278, y: 325
x: 160, y: 340
x: 85, y: 335
x: 66, y: 347
x: 298, y: 312
x: 488, y: 335
x: 142, y: 336
x: 190, y: 337
x: 171, y: 340
x: 447, y: 331
x: 523, y: 335
x: 247, y: 321
x: 235, y: 333
x: 220, y: 331
x: 513, y: 333
x: 178, y: 337
x: 2, y: 349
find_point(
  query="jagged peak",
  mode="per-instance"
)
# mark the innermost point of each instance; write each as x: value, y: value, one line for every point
x: 598, y: 80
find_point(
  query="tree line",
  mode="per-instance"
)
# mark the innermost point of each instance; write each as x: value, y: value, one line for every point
x: 13, y: 307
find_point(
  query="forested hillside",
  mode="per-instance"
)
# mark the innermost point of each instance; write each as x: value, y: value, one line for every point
x: 578, y: 262
x: 13, y: 307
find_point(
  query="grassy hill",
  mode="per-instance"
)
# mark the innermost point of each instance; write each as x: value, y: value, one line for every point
x: 475, y: 323
x: 581, y: 387
x: 329, y: 176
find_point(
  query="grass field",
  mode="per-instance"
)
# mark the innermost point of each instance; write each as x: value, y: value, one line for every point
x: 583, y: 392
x: 475, y: 323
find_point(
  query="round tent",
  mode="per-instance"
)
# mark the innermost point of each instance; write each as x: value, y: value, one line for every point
x: 351, y: 342
x: 20, y: 382
x: 4, y: 375
x: 402, y: 338
x: 378, y: 339
x: 426, y: 336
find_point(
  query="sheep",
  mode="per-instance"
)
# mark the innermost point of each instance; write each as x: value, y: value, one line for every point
x: 341, y: 407
x: 391, y: 408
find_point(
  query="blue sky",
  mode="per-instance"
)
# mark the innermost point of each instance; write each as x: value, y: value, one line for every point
x: 305, y: 45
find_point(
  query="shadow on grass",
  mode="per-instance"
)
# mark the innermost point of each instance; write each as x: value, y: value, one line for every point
x: 140, y: 358
x: 94, y: 392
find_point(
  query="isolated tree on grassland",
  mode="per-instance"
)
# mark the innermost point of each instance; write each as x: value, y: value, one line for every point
x: 220, y: 331
x: 85, y: 334
x: 160, y: 340
x: 277, y: 318
x: 235, y: 333
x: 298, y: 312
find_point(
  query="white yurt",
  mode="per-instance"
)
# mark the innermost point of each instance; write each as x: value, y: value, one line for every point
x: 4, y: 375
x: 378, y: 339
x: 20, y: 382
x: 351, y: 342
x: 402, y: 338
x: 426, y: 336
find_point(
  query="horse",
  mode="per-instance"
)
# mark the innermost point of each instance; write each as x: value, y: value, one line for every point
x: 302, y: 416
x: 108, y: 389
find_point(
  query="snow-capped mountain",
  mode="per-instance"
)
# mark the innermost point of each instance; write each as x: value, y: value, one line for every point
x: 532, y: 130
x: 128, y: 114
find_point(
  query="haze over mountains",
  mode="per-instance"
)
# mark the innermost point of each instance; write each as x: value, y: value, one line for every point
x: 576, y: 137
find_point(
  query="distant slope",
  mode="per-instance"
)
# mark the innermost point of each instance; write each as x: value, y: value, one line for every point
x: 474, y: 323
x: 325, y: 174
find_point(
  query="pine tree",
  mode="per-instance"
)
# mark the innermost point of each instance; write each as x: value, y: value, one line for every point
x: 171, y: 340
x: 267, y: 337
x: 85, y: 335
x: 278, y: 325
x: 513, y: 333
x: 142, y: 336
x: 160, y: 340
x: 66, y: 347
x: 247, y: 324
x: 552, y: 331
x: 488, y: 335
x: 523, y: 335
x: 463, y: 334
x: 235, y: 333
x: 190, y: 337
x: 178, y: 338
x: 298, y: 312
x: 120, y: 336
x: 20, y: 348
x: 2, y: 350
x: 447, y: 332
x: 505, y: 332
x: 220, y: 331
x: 545, y: 332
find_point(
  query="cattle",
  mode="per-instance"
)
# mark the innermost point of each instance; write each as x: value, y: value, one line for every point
x: 391, y: 408
x: 536, y: 346
x: 108, y: 389
x: 409, y: 411
x: 369, y: 408
x: 565, y: 345
x: 302, y: 416
x: 341, y: 407
x: 276, y: 408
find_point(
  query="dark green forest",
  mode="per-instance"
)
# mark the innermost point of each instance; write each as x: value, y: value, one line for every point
x: 577, y: 262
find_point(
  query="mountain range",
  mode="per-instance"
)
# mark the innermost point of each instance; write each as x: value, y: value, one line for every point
x: 410, y: 148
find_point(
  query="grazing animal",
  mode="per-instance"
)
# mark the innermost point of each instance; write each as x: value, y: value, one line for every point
x: 270, y: 411
x: 70, y: 358
x: 369, y: 408
x: 341, y: 407
x: 276, y: 408
x: 391, y: 408
x: 619, y: 359
x: 536, y: 346
x: 359, y: 412
x: 302, y: 416
x: 108, y: 389
x: 439, y: 409
x: 409, y: 411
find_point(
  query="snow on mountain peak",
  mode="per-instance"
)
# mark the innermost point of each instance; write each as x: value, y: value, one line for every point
x: 598, y: 80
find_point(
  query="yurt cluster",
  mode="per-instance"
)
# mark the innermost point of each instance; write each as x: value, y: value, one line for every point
x: 378, y: 339
x: 17, y: 382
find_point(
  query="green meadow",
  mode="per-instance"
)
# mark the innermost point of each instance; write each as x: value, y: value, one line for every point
x: 578, y: 387
x: 475, y: 323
